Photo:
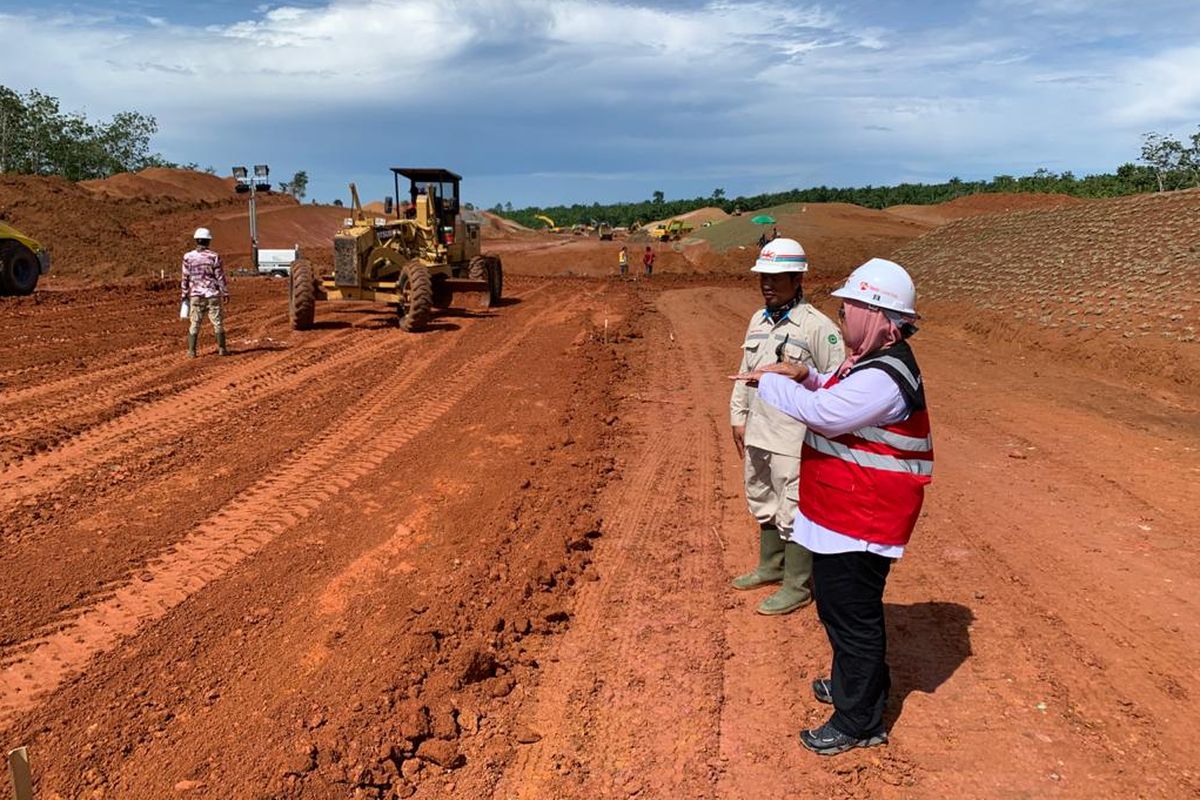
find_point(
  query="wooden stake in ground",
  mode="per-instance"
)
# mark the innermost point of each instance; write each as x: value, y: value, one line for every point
x: 22, y: 778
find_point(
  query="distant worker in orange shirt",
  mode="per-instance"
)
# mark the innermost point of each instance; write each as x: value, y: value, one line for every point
x: 648, y: 261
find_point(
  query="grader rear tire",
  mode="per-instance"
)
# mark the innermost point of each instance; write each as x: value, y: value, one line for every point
x: 417, y: 288
x: 302, y: 304
x: 488, y: 268
x: 477, y: 269
x: 495, y: 280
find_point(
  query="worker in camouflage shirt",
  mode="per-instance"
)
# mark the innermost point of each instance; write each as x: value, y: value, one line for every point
x: 204, y: 289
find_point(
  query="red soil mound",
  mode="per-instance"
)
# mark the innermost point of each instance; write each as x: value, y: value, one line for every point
x: 139, y: 225
x: 977, y: 204
x: 311, y: 227
x: 176, y: 184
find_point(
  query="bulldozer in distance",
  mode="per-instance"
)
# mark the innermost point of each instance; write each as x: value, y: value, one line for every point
x: 416, y: 257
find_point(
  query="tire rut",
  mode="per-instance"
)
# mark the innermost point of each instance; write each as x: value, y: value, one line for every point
x: 146, y: 425
x: 637, y: 665
x: 355, y: 445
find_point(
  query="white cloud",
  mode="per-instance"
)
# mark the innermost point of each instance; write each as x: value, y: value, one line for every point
x: 582, y: 89
x: 1161, y: 90
x: 352, y: 50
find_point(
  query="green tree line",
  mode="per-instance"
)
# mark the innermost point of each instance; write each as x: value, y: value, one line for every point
x: 1166, y: 163
x: 38, y: 138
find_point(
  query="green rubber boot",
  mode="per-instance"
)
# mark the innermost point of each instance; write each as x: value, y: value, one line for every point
x: 192, y: 344
x: 770, y: 561
x: 222, y: 350
x: 794, y: 593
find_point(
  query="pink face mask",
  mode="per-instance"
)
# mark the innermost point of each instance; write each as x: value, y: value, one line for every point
x: 867, y: 330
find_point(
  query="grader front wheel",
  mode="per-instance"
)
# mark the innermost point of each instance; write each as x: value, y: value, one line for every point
x: 416, y: 290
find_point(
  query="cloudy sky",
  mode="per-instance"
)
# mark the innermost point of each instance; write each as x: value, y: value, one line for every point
x: 602, y: 100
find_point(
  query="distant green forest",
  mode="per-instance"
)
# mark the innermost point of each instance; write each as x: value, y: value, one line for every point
x: 1167, y: 163
x: 1128, y: 179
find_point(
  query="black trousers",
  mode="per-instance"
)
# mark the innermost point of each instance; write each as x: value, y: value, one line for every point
x: 849, y: 590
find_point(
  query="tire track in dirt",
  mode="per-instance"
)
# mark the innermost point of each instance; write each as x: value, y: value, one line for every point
x: 103, y: 337
x: 77, y: 396
x: 637, y: 666
x: 121, y: 355
x: 357, y: 444
x: 66, y: 406
x: 113, y: 374
x: 146, y: 425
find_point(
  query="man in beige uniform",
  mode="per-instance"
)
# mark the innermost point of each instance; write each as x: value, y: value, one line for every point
x: 769, y: 441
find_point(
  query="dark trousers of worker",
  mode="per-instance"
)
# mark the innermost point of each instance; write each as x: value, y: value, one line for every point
x: 849, y: 591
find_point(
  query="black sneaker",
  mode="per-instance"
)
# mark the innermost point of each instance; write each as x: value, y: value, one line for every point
x: 829, y: 741
x: 823, y: 690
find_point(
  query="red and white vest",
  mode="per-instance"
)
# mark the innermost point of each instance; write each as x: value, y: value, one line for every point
x: 870, y: 483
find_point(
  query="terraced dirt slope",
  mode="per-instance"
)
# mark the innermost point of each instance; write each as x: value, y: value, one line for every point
x: 1119, y: 277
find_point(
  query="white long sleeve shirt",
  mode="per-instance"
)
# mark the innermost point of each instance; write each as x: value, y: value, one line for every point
x: 865, y: 398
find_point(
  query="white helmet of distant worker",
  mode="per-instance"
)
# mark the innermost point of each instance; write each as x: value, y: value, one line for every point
x: 202, y: 234
x: 781, y: 255
x: 883, y: 284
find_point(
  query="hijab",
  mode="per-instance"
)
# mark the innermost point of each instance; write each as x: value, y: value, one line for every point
x: 867, y: 330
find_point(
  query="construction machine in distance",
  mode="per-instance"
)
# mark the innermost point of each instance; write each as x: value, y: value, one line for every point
x: 415, y: 259
x: 673, y: 230
x: 22, y: 261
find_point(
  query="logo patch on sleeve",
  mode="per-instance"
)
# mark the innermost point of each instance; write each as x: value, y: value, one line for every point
x: 833, y: 338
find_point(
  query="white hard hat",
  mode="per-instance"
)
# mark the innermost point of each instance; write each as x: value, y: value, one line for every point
x: 781, y: 255
x: 883, y: 284
x: 203, y: 233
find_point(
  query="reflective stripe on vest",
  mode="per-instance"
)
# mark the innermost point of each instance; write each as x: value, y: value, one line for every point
x: 912, y: 466
x: 901, y: 368
x: 869, y: 483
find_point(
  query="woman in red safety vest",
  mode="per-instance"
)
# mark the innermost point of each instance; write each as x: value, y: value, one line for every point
x: 867, y: 457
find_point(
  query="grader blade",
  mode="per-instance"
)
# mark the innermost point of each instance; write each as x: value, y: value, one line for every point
x: 469, y: 286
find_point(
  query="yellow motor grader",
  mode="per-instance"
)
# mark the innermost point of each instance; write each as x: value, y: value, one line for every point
x: 416, y: 257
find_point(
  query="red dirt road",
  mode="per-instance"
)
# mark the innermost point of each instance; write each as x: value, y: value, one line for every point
x: 491, y: 561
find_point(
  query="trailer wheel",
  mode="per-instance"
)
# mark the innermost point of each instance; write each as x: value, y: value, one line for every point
x: 416, y: 291
x: 19, y: 269
x: 302, y: 295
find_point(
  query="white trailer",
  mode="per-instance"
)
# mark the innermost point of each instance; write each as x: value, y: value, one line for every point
x: 277, y: 262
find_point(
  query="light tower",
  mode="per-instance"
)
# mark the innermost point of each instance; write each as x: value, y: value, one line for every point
x: 258, y: 183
